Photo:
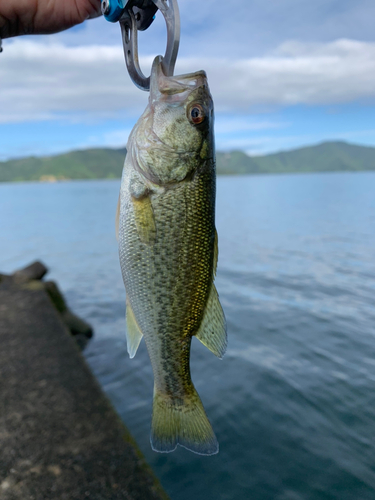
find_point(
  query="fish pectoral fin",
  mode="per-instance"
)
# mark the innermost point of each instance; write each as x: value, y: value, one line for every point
x: 213, y: 329
x: 117, y: 216
x: 144, y: 219
x: 133, y: 332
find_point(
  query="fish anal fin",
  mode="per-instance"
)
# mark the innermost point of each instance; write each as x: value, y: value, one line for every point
x: 133, y: 332
x: 213, y: 329
x: 118, y: 216
x: 144, y: 219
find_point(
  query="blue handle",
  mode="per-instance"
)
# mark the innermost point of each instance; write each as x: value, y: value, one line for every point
x: 112, y: 9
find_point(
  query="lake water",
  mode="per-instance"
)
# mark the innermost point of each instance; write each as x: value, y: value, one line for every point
x: 293, y: 401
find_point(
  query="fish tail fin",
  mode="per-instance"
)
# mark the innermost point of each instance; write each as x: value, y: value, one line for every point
x: 181, y: 421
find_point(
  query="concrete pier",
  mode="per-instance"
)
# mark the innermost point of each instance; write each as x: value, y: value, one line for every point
x: 60, y: 438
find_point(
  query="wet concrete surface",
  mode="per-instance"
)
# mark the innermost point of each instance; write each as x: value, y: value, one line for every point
x: 60, y: 438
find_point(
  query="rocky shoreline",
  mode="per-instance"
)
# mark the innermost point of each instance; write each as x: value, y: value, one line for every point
x: 31, y: 277
x: 60, y: 437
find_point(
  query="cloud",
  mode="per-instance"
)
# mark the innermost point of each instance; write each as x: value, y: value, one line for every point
x: 338, y: 72
x: 242, y: 28
x: 41, y: 81
x: 264, y: 144
x: 45, y: 81
x: 239, y: 124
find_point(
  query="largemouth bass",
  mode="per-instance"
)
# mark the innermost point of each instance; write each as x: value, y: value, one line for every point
x: 168, y: 251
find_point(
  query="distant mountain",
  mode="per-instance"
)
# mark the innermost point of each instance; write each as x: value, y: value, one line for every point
x: 87, y: 164
x: 108, y: 163
x: 325, y: 157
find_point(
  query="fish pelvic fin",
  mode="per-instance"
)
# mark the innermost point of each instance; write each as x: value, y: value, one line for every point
x: 213, y: 329
x: 133, y: 332
x: 183, y: 422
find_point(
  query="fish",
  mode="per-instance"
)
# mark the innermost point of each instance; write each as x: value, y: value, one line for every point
x: 168, y: 250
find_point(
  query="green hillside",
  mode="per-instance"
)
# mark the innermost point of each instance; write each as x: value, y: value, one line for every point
x: 87, y: 164
x: 325, y: 157
x: 107, y: 163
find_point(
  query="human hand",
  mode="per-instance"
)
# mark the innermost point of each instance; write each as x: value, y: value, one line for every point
x: 27, y: 17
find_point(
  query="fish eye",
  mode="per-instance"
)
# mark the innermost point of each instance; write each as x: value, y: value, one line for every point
x: 196, y: 114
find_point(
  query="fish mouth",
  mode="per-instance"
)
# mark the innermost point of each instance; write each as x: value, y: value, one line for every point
x: 160, y: 84
x: 174, y: 90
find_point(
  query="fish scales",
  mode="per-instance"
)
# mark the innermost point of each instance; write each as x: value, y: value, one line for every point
x: 169, y: 282
x: 167, y: 254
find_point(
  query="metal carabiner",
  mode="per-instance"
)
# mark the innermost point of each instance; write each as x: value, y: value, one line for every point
x: 129, y: 27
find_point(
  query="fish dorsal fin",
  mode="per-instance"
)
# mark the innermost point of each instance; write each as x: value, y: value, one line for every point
x: 117, y: 216
x: 216, y: 253
x: 213, y: 330
x: 144, y: 219
x: 133, y: 332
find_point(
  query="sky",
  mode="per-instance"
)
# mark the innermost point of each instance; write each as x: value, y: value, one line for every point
x: 283, y: 74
